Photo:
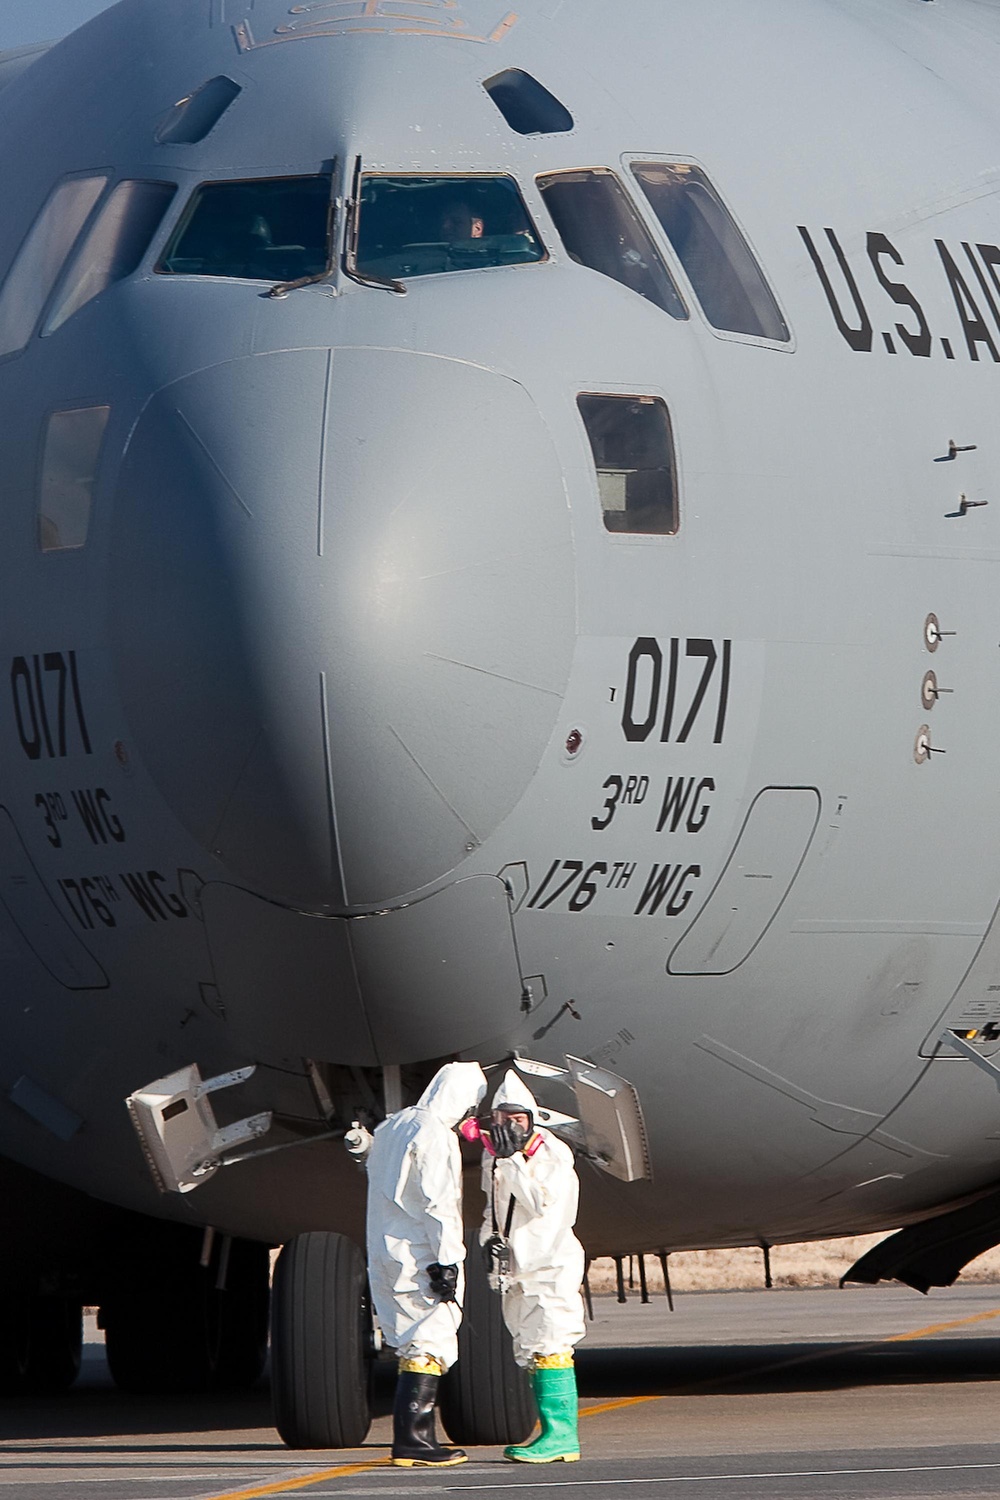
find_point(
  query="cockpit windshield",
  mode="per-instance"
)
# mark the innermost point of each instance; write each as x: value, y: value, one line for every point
x: 423, y: 226
x: 276, y: 229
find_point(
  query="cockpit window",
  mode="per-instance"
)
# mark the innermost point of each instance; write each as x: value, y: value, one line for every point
x: 113, y: 246
x: 633, y: 448
x: 423, y: 226
x: 276, y: 229
x: 42, y: 256
x: 719, y: 263
x: 600, y: 229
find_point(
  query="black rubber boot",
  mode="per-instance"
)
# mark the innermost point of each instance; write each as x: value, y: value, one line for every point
x: 414, y: 1440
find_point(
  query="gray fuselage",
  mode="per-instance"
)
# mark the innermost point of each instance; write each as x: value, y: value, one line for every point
x: 352, y: 734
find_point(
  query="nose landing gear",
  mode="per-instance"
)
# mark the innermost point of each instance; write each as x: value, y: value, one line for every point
x: 322, y: 1353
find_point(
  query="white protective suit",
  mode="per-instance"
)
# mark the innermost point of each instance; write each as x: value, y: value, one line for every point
x: 542, y: 1305
x: 415, y: 1214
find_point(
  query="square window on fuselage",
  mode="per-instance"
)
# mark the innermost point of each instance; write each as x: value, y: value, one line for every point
x: 632, y: 445
x: 69, y: 470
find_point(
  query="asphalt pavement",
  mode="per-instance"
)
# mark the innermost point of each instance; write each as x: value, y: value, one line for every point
x: 868, y: 1392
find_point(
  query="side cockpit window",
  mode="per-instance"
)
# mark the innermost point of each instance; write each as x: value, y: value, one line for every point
x: 276, y: 229
x: 69, y: 468
x: 633, y: 449
x: 425, y: 226
x: 718, y: 262
x: 600, y: 229
x: 42, y: 256
x: 113, y: 246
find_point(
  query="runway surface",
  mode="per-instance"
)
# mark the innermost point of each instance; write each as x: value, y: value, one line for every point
x: 869, y: 1392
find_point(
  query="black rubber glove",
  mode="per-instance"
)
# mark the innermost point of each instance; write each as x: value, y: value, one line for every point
x: 507, y: 1140
x: 444, y: 1282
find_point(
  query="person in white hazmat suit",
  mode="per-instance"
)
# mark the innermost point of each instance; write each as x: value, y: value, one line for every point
x: 416, y: 1251
x: 532, y: 1192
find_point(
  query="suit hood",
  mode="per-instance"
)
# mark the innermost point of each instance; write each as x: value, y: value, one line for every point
x: 453, y: 1091
x: 513, y: 1092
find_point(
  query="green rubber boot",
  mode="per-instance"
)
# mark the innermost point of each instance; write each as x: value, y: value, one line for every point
x: 555, y: 1392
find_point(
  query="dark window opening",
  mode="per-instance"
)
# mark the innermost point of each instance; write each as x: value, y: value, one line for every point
x: 41, y: 258
x: 192, y: 118
x: 719, y: 263
x: 424, y: 226
x: 114, y: 245
x: 69, y: 472
x: 601, y: 229
x: 274, y: 230
x: 527, y: 105
x: 633, y: 448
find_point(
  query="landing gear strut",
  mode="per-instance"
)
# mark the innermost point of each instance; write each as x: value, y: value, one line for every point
x: 321, y: 1343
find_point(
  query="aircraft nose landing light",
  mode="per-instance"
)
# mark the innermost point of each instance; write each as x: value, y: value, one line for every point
x: 178, y: 1131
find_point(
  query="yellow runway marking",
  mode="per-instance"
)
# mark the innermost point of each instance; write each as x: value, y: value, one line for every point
x: 921, y: 1333
x: 605, y: 1407
x: 284, y: 1485
x: 598, y: 1411
x: 785, y: 1364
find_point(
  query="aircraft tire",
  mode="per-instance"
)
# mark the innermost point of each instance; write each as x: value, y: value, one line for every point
x: 159, y: 1340
x: 176, y: 1332
x: 15, y: 1347
x: 321, y: 1349
x: 486, y: 1399
x: 56, y: 1344
x: 241, y: 1346
x: 40, y: 1345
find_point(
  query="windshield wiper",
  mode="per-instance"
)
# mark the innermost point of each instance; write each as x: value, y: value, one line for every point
x: 282, y: 288
x: 363, y: 278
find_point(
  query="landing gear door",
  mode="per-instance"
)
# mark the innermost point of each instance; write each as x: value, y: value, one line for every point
x: 611, y: 1119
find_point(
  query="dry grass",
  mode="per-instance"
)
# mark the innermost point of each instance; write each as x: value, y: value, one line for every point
x: 815, y: 1263
x: 819, y: 1263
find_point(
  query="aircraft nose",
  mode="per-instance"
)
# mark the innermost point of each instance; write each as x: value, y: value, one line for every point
x: 344, y: 612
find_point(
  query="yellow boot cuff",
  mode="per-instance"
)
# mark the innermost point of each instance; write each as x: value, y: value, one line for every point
x: 562, y: 1361
x: 422, y: 1364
